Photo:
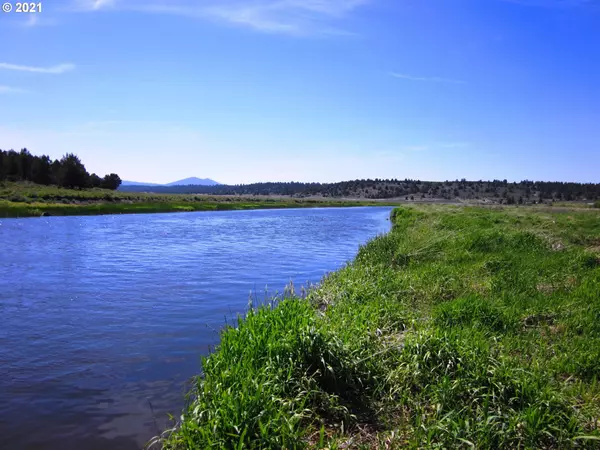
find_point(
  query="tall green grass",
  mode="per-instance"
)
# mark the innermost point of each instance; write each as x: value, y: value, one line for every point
x: 462, y: 327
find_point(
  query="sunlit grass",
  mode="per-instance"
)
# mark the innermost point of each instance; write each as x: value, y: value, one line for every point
x: 462, y: 327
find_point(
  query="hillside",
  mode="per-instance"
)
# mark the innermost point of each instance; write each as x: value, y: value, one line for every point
x: 496, y: 191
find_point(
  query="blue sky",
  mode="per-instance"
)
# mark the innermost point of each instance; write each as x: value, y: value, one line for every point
x: 307, y: 90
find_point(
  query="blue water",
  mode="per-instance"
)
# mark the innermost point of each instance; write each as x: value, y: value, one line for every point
x: 104, y: 318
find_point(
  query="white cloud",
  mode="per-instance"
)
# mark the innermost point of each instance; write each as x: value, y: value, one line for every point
x: 61, y: 68
x: 296, y: 17
x: 11, y: 90
x: 428, y: 79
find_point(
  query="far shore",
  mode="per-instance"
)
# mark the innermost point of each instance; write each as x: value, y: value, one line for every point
x: 31, y: 200
x: 15, y: 209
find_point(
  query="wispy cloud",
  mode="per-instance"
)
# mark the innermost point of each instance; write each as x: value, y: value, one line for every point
x: 11, y: 90
x: 295, y: 17
x: 422, y: 147
x: 428, y: 79
x: 416, y: 148
x: 61, y: 68
x: 455, y: 144
x: 92, y: 5
x: 32, y: 21
x: 36, y: 20
x: 97, y: 4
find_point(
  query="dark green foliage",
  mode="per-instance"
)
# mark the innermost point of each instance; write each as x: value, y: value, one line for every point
x: 41, y: 170
x: 94, y: 181
x: 68, y: 172
x: 72, y: 173
x: 112, y: 182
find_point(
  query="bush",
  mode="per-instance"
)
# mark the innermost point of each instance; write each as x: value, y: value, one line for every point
x: 17, y: 198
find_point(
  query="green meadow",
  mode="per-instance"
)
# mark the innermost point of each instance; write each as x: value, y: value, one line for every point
x: 461, y: 328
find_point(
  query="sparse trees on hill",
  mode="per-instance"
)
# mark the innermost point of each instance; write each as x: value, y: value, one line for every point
x: 67, y: 172
x: 70, y: 172
x: 497, y: 190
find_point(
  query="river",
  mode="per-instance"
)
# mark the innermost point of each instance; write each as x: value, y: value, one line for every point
x: 104, y: 318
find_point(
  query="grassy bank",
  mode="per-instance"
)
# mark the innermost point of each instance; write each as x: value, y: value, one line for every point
x: 36, y: 209
x: 30, y: 200
x: 462, y: 327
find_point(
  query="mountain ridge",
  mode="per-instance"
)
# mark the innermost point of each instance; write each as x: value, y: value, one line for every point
x: 194, y: 181
x: 190, y: 181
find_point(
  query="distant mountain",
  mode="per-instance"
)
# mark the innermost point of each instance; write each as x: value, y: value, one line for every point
x: 137, y: 183
x: 194, y: 181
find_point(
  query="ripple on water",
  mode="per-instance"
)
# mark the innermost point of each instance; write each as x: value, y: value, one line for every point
x: 105, y: 317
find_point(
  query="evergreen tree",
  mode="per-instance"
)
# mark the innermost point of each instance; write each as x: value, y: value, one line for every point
x: 94, y: 181
x: 111, y: 181
x: 41, y: 170
x: 72, y: 173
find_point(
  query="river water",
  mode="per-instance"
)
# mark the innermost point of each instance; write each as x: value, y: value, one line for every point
x: 104, y: 318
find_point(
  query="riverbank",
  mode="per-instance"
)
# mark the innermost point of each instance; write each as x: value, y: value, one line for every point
x: 461, y: 327
x: 36, y: 209
x: 30, y: 200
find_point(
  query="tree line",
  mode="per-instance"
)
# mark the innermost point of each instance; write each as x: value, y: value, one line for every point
x: 68, y: 172
x: 502, y: 190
